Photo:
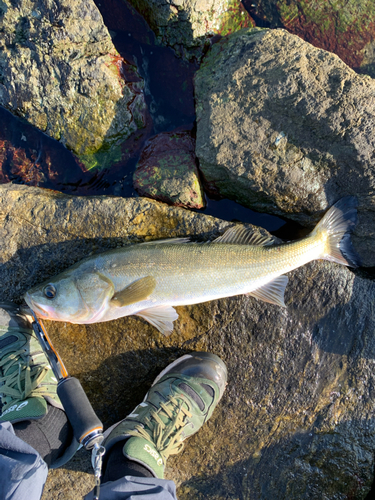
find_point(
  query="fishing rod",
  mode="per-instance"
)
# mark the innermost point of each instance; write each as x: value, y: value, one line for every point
x: 87, y: 428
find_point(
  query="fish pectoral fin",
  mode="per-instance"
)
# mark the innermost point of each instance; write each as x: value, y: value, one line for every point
x: 272, y: 292
x: 135, y: 292
x: 161, y: 317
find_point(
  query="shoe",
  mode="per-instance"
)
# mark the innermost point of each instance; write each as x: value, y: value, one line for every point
x: 27, y: 382
x: 181, y: 399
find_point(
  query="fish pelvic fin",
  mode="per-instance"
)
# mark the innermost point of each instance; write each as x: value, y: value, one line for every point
x: 272, y: 292
x: 135, y: 292
x: 161, y: 317
x: 335, y: 229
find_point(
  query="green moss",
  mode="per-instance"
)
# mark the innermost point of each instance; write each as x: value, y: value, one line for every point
x: 104, y: 158
x: 234, y: 18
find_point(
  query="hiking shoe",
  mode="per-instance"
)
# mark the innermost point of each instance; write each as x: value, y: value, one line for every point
x: 27, y: 382
x: 181, y: 399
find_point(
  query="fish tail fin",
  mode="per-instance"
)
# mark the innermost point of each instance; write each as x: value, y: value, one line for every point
x: 335, y: 229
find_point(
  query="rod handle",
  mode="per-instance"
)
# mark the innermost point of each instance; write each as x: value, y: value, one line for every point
x: 87, y: 427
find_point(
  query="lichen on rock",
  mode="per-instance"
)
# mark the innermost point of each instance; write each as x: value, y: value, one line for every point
x: 60, y: 71
x: 167, y: 170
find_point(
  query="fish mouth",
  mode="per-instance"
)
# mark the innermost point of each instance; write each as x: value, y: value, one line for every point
x: 82, y: 316
x: 41, y: 312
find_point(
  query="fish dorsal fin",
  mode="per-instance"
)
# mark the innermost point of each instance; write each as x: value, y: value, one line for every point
x: 240, y: 235
x: 135, y: 292
x: 272, y: 292
x: 161, y: 317
x: 171, y: 241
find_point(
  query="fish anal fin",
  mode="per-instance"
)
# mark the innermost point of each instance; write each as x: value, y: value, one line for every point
x: 240, y: 235
x: 135, y: 292
x: 272, y: 292
x: 161, y: 317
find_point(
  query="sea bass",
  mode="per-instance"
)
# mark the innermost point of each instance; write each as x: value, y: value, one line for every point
x: 149, y: 279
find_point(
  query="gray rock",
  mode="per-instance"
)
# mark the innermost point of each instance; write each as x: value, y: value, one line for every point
x: 188, y: 25
x: 297, y: 419
x: 286, y: 128
x: 60, y: 71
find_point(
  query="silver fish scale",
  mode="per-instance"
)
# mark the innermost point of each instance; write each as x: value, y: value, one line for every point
x: 183, y: 271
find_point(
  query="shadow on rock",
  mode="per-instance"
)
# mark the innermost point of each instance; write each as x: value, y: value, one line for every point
x: 120, y: 382
x: 345, y: 321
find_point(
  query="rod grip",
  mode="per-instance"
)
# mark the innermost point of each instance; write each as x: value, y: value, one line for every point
x: 87, y: 427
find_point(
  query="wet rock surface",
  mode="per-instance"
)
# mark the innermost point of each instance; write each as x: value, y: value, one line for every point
x: 188, y: 25
x: 346, y: 28
x: 286, y: 128
x: 296, y: 420
x: 60, y: 71
x: 167, y: 171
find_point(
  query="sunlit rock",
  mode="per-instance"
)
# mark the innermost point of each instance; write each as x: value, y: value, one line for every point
x: 61, y: 72
x: 286, y: 128
x: 297, y: 418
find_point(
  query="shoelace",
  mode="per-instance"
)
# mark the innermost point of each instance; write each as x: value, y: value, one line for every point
x: 163, y: 438
x: 22, y: 382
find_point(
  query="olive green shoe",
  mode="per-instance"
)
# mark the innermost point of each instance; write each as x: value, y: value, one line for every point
x: 181, y: 399
x: 27, y: 382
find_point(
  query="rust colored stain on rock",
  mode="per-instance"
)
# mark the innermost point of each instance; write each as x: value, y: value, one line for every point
x: 348, y: 45
x: 16, y: 162
x: 167, y: 170
x: 30, y: 166
x: 346, y: 28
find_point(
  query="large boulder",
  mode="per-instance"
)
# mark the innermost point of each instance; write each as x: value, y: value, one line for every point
x: 61, y: 72
x: 297, y: 419
x: 188, y: 25
x: 286, y: 128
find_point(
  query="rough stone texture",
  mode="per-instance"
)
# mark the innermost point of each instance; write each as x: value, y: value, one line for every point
x: 167, y: 171
x: 286, y: 128
x: 344, y: 27
x: 188, y: 25
x: 297, y: 419
x: 60, y: 71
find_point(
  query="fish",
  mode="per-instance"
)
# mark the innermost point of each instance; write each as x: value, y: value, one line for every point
x: 149, y: 279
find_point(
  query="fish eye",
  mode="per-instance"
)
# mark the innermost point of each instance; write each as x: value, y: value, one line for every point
x: 49, y: 291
